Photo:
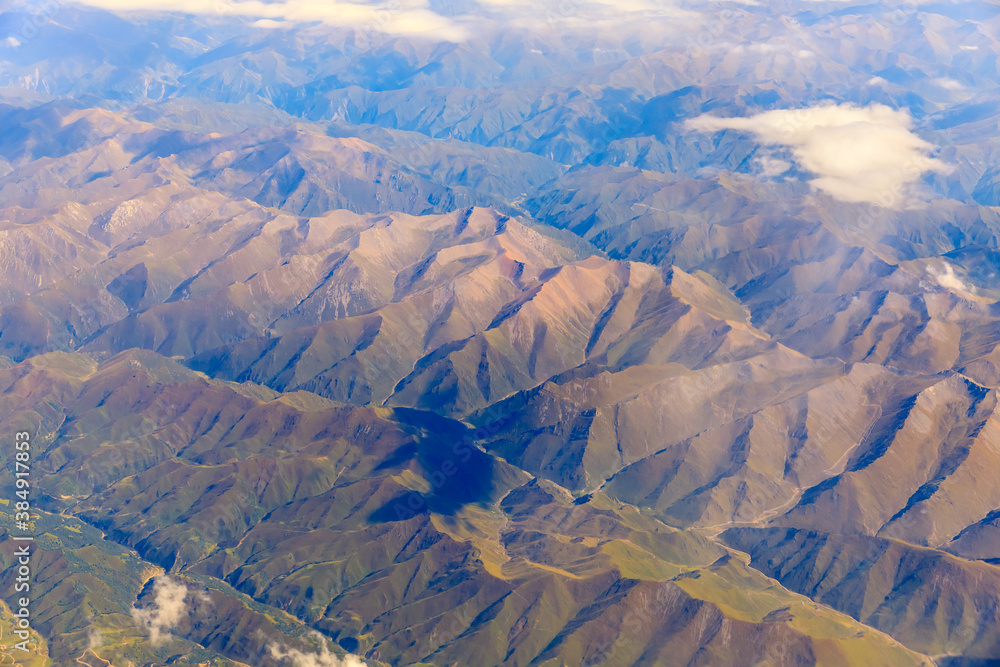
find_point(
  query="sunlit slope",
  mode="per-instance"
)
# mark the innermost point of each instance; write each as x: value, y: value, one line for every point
x: 389, y: 530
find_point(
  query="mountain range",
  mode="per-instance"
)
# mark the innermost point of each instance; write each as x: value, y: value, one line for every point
x: 557, y: 338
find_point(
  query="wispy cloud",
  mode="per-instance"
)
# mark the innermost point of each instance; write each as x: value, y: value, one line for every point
x: 420, y: 17
x: 771, y: 166
x: 947, y: 84
x: 95, y: 638
x: 948, y: 279
x: 325, y: 658
x: 166, y: 611
x: 411, y: 17
x: 859, y: 154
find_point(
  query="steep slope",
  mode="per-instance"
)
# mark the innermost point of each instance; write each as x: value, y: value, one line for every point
x: 252, y: 275
x: 933, y: 602
x: 387, y: 530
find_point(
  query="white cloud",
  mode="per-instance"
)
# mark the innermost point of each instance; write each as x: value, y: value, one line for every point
x: 271, y: 24
x: 948, y: 84
x: 11, y: 42
x: 409, y: 17
x: 325, y: 658
x: 949, y: 280
x: 772, y: 166
x: 416, y: 17
x: 775, y: 46
x: 95, y: 638
x: 166, y: 611
x: 778, y: 46
x: 969, y: 47
x: 876, y: 81
x: 859, y: 154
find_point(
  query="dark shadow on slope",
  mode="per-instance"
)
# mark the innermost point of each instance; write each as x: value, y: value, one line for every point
x: 458, y: 471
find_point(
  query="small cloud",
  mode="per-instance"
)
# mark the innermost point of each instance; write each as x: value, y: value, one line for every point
x: 969, y: 47
x: 95, y: 638
x: 271, y: 24
x: 11, y: 42
x: 771, y: 167
x: 949, y: 280
x: 771, y: 47
x: 947, y: 84
x: 859, y: 154
x: 876, y: 81
x: 325, y: 658
x: 166, y: 611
